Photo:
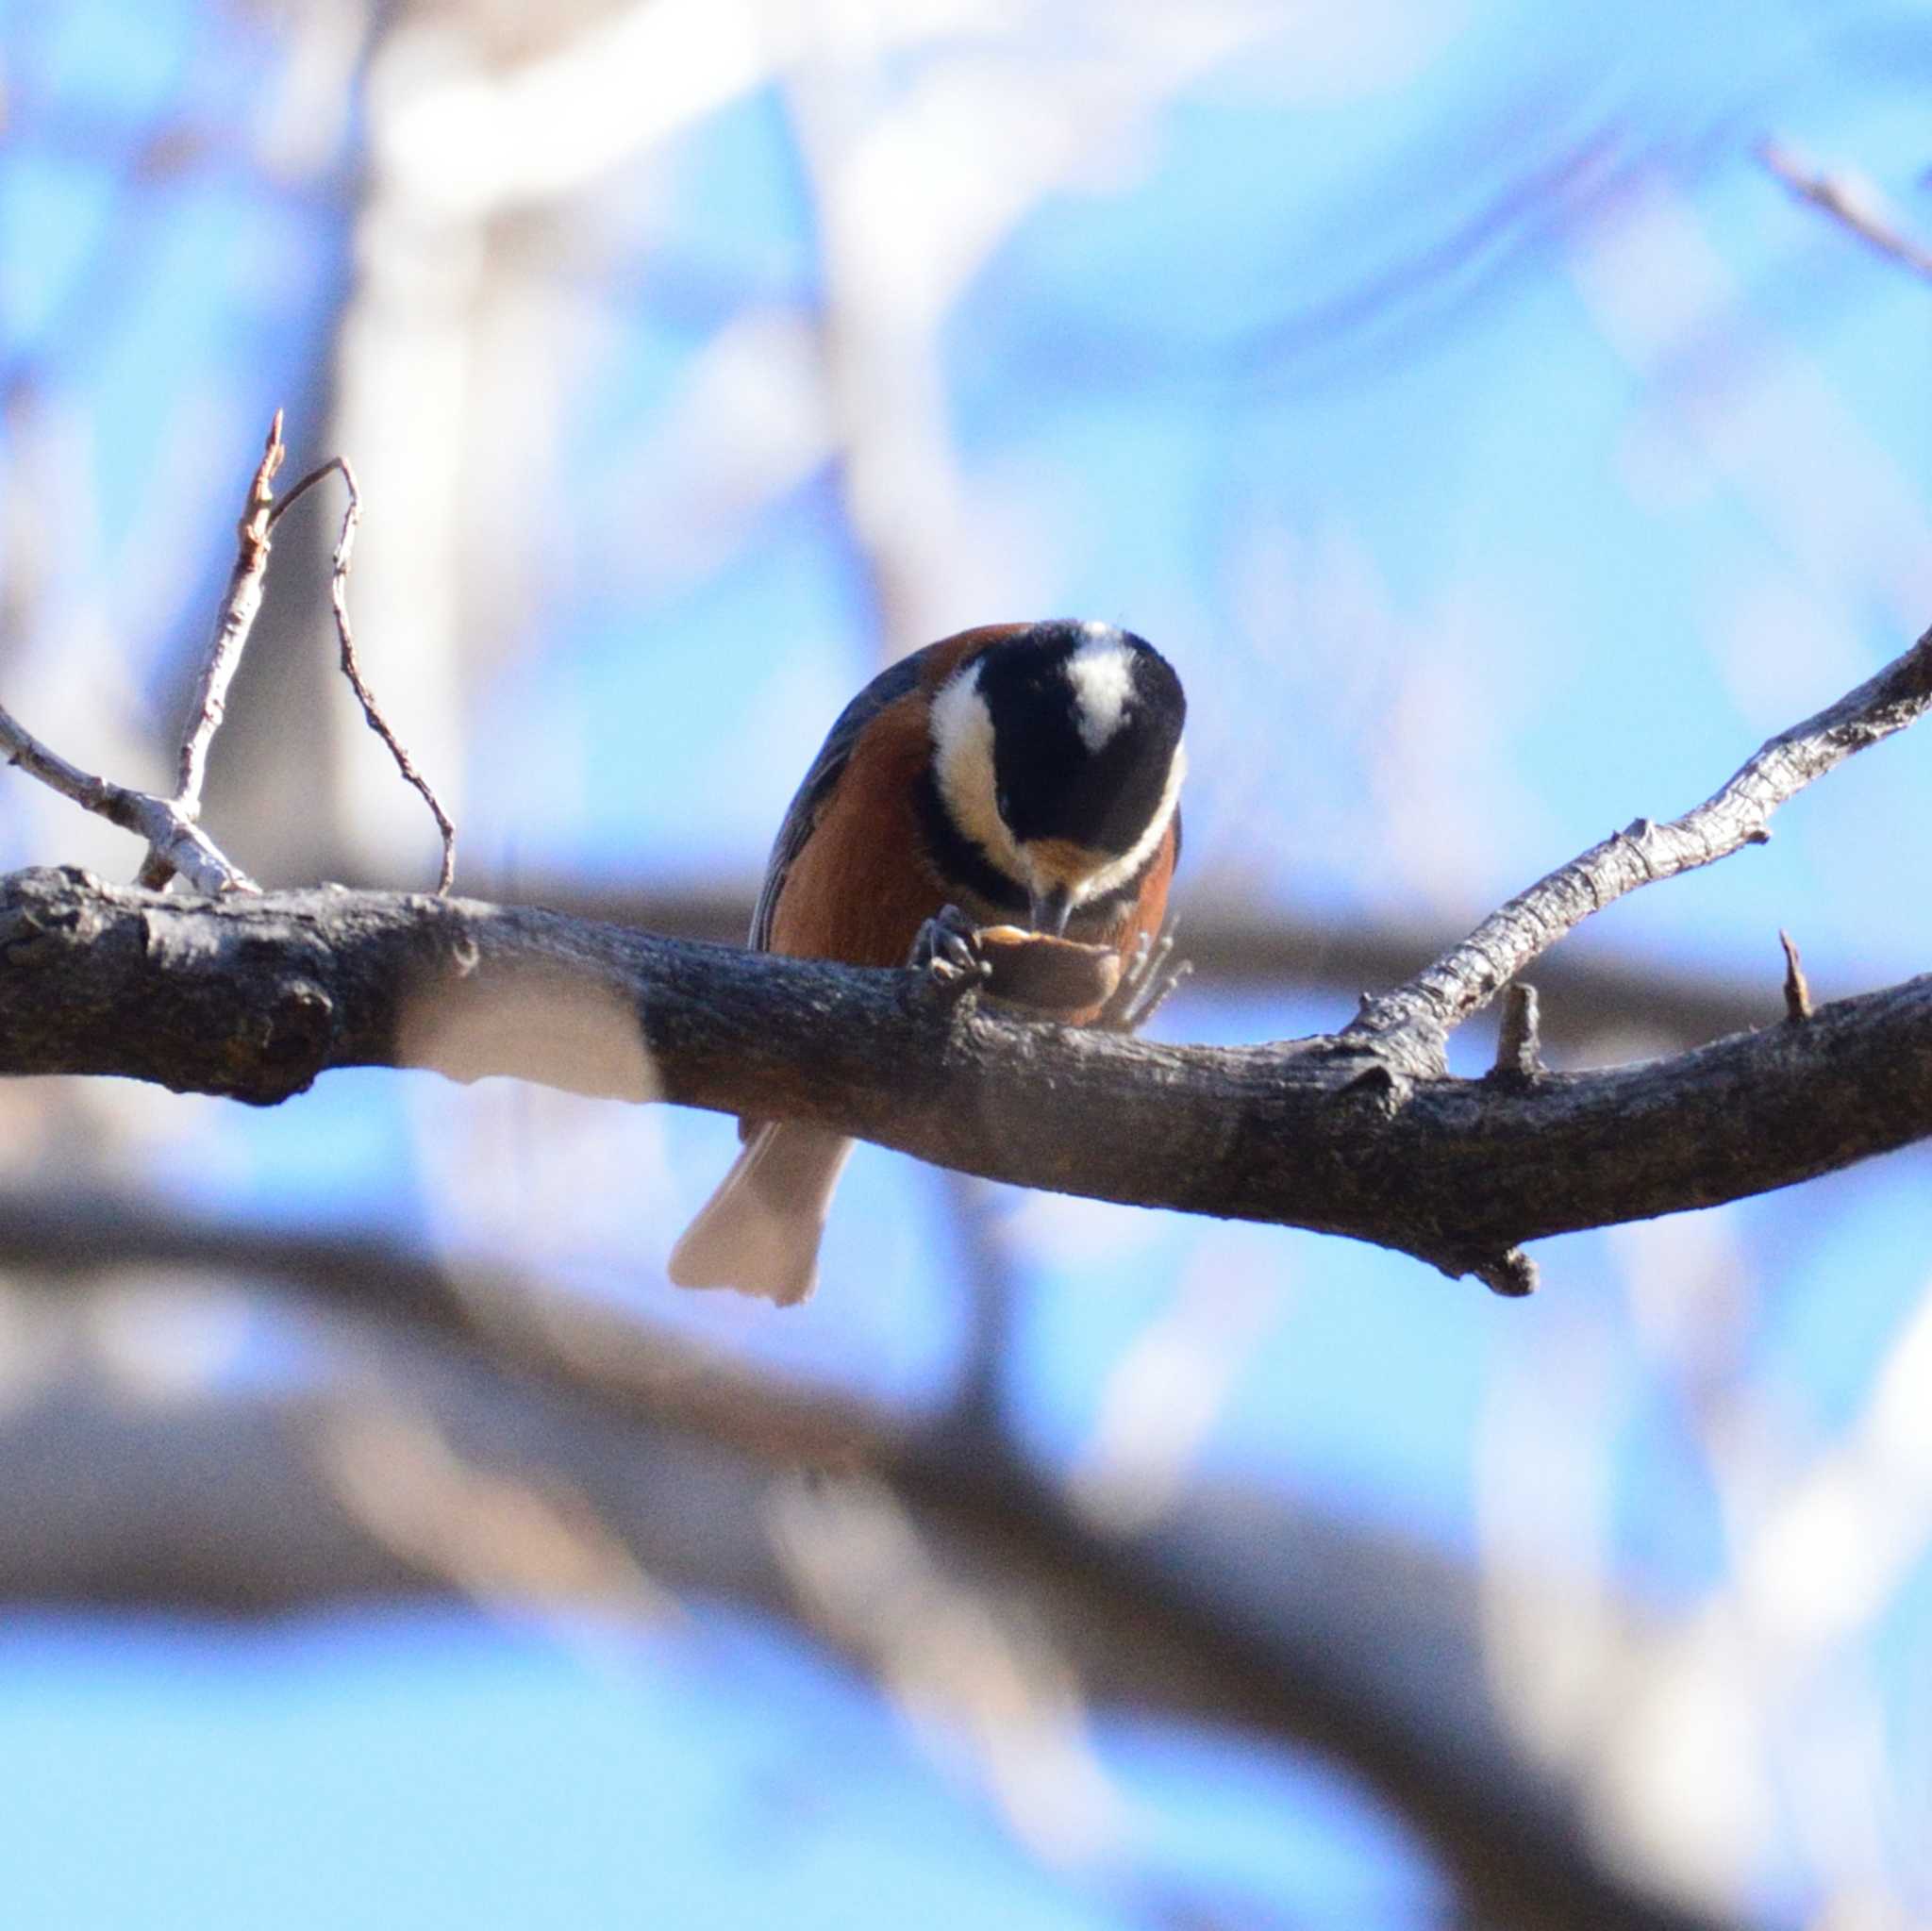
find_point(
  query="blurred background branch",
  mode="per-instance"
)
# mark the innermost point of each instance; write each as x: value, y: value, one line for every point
x: 1232, y: 1607
x: 1851, y: 201
x: 1424, y: 380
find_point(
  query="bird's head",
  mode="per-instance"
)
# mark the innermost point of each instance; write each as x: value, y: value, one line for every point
x: 1058, y: 751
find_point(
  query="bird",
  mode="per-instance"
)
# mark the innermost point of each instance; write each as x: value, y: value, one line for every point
x: 1027, y: 772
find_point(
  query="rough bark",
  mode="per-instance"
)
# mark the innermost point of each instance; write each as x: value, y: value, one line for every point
x: 254, y: 997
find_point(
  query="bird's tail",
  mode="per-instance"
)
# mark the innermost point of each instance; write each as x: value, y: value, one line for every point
x: 760, y: 1231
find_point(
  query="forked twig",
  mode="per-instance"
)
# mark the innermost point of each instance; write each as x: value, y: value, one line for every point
x: 175, y: 842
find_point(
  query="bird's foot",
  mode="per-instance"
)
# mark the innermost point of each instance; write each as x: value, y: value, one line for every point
x: 947, y: 952
x: 1151, y: 974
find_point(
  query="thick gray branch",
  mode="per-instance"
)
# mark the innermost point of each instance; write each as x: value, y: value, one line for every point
x: 1237, y: 942
x: 254, y: 997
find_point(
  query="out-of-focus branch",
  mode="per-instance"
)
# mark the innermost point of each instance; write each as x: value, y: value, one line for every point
x: 1854, y: 204
x: 1231, y: 1608
x: 517, y: 1540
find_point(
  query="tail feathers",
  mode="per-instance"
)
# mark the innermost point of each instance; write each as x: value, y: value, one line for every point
x: 760, y: 1231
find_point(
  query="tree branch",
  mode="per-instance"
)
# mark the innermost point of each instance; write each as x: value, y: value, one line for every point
x: 1235, y: 1607
x: 1235, y: 942
x: 1854, y: 204
x: 237, y: 619
x: 240, y: 603
x: 254, y: 997
x: 1429, y: 1006
x: 175, y: 842
x: 1361, y: 1133
x: 352, y: 667
x: 174, y: 838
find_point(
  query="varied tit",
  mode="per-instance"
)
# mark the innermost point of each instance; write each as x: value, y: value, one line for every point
x: 1020, y: 771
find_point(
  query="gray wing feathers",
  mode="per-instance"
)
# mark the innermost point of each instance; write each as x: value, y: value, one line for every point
x: 889, y: 686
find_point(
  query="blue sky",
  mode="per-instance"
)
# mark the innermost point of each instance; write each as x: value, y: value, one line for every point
x: 1500, y: 454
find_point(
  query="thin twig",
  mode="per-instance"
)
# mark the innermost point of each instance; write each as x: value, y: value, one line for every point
x: 238, y: 609
x: 1854, y: 204
x: 351, y: 670
x: 1426, y: 1009
x: 240, y: 603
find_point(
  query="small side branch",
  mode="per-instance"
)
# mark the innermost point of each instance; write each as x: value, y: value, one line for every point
x: 240, y: 602
x: 1797, y: 988
x: 1417, y: 1017
x: 175, y: 842
x: 1518, y: 1041
x: 237, y: 619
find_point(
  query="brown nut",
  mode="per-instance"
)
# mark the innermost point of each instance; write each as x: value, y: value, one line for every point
x: 1051, y: 975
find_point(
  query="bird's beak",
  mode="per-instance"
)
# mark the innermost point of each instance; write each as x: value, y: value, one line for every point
x: 1052, y: 906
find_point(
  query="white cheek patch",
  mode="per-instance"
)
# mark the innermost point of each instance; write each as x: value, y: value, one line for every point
x: 962, y: 765
x: 1101, y: 673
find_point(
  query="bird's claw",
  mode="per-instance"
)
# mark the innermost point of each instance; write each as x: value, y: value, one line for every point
x: 1151, y: 976
x: 947, y: 952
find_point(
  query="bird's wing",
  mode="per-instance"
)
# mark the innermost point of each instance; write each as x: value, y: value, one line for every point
x: 890, y: 685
